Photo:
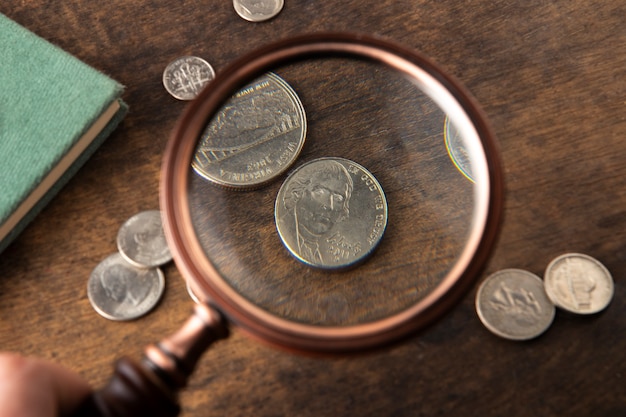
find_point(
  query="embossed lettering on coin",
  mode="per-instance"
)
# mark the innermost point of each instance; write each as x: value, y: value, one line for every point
x: 254, y: 137
x: 579, y: 283
x: 258, y: 10
x: 186, y: 76
x: 120, y: 291
x: 331, y: 213
x: 512, y: 304
x: 141, y: 240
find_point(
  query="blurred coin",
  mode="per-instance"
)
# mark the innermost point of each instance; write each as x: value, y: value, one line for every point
x: 456, y: 150
x: 512, y: 304
x: 331, y: 213
x: 186, y: 76
x: 141, y: 240
x: 257, y: 10
x: 254, y: 137
x: 119, y: 291
x: 578, y: 283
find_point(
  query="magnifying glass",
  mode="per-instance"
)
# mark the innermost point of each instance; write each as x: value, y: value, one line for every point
x: 328, y: 193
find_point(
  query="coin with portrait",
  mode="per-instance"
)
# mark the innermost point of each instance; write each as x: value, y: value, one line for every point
x: 141, y: 240
x: 119, y: 291
x: 331, y: 213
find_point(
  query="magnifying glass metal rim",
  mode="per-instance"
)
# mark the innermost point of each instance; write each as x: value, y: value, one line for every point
x: 193, y: 263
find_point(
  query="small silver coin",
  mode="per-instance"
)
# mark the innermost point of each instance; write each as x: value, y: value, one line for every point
x: 579, y: 284
x: 258, y: 10
x: 119, y: 291
x: 512, y: 304
x: 331, y: 213
x: 186, y: 76
x: 141, y: 240
x: 254, y: 137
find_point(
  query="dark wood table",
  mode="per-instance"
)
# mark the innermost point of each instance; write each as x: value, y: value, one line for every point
x: 551, y: 77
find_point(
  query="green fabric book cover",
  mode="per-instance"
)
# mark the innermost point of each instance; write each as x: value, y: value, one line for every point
x: 55, y: 110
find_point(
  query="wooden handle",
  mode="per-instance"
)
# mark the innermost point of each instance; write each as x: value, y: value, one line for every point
x: 150, y: 388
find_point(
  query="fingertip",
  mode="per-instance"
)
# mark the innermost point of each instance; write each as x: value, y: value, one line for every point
x: 36, y: 387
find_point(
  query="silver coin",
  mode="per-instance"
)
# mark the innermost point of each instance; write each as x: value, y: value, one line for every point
x: 258, y: 10
x: 254, y: 137
x: 120, y: 291
x: 331, y: 213
x: 141, y: 240
x: 579, y: 284
x: 513, y: 304
x: 457, y: 151
x: 186, y: 76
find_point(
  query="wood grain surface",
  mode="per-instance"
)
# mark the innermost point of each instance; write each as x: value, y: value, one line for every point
x: 551, y: 77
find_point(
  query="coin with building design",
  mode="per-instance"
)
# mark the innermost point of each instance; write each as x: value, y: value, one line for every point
x: 579, y: 283
x: 513, y: 304
x: 254, y: 137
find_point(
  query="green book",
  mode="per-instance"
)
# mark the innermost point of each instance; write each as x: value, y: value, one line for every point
x: 55, y: 111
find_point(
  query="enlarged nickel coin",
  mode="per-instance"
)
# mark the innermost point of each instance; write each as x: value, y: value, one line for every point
x: 119, y: 291
x: 186, y: 76
x: 457, y: 150
x: 258, y: 10
x: 254, y: 137
x: 578, y: 283
x: 513, y: 304
x: 141, y: 240
x: 331, y: 213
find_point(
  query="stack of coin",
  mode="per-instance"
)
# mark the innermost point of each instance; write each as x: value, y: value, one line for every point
x: 518, y: 305
x: 129, y: 284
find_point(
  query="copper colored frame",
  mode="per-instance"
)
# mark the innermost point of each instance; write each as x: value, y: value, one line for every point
x: 192, y: 262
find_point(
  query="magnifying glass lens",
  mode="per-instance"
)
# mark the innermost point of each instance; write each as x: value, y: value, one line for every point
x: 332, y: 196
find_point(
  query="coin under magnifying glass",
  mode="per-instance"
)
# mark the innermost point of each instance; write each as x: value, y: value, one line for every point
x: 457, y: 150
x: 579, y: 284
x: 254, y: 137
x: 331, y: 213
x: 513, y: 304
x: 119, y: 291
x: 141, y: 240
x: 258, y: 10
x: 186, y: 76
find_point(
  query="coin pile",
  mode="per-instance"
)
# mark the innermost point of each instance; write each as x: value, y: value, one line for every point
x: 128, y: 284
x: 518, y: 305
